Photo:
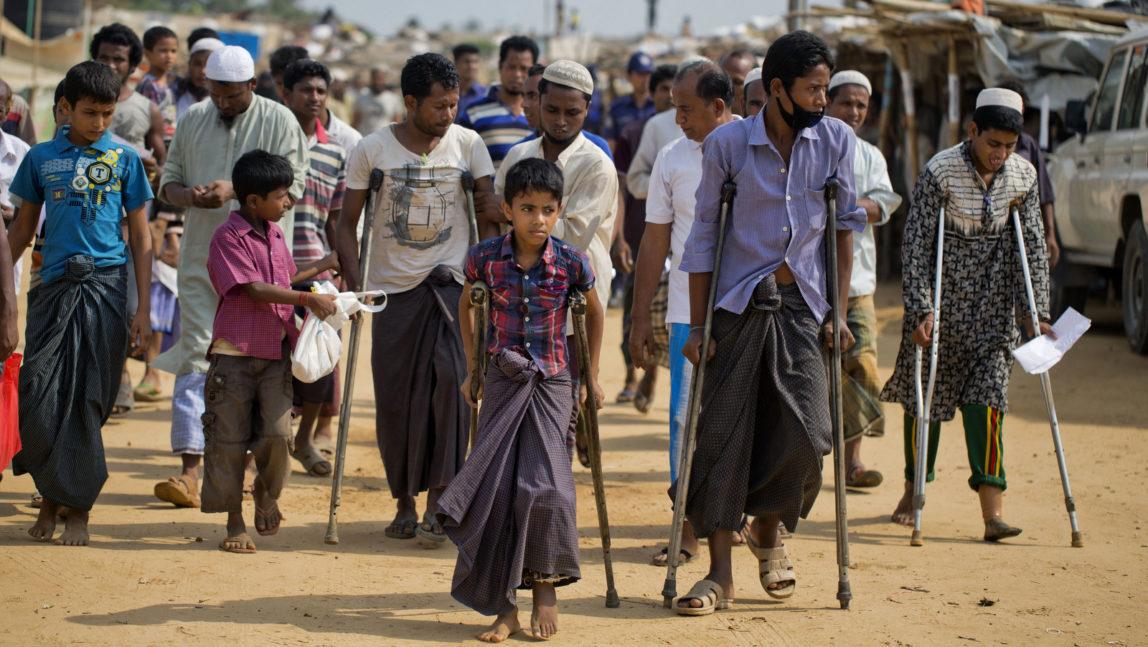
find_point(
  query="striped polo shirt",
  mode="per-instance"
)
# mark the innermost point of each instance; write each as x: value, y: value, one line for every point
x: 323, y: 192
x: 496, y: 124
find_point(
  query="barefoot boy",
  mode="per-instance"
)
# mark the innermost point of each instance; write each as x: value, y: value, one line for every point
x: 248, y: 390
x: 78, y: 332
x: 511, y: 509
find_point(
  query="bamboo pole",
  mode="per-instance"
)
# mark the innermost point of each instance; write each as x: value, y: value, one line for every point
x: 954, y: 96
x: 910, y: 108
x: 37, y: 24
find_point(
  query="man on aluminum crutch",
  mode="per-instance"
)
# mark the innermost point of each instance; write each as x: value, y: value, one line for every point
x: 977, y: 283
x: 421, y: 419
x: 763, y: 425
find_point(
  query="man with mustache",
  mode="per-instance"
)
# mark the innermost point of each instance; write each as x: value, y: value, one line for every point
x: 420, y: 244
x: 500, y: 118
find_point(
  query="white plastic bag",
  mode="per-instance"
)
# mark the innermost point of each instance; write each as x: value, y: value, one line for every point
x: 318, y: 349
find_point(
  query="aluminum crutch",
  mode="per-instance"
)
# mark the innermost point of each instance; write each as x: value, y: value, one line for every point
x: 1046, y: 386
x: 578, y: 309
x: 685, y: 459
x: 480, y: 299
x: 374, y: 183
x: 924, y: 405
x: 836, y: 413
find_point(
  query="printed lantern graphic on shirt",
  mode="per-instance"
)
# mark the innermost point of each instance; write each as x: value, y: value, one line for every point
x: 419, y: 207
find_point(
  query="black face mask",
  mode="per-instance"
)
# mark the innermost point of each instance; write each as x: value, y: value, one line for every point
x: 800, y: 117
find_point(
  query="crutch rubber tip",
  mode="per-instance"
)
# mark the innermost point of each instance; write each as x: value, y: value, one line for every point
x: 612, y: 601
x: 845, y: 604
x: 917, y: 539
x: 1077, y: 539
x: 331, y: 541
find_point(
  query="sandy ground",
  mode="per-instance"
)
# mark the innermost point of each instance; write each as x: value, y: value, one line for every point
x: 153, y: 575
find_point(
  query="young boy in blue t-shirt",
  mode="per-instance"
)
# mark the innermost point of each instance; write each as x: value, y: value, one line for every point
x: 78, y: 334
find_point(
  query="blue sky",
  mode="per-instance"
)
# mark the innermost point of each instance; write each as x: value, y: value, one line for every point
x: 602, y: 17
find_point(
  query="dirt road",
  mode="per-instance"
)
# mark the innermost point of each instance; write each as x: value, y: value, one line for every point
x: 153, y: 575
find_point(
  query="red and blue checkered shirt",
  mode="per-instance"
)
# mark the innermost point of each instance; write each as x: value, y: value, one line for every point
x: 528, y: 307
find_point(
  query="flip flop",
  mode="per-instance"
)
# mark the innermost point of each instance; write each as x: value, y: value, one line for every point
x: 859, y: 477
x: 430, y: 535
x: 248, y: 546
x: 624, y: 396
x: 773, y: 567
x: 710, y: 593
x: 265, y: 514
x: 325, y: 447
x: 180, y: 491
x: 313, y: 462
x: 685, y: 557
x: 399, y: 529
x: 145, y: 392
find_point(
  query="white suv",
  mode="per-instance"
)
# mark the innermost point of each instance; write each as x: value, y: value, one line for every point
x: 1101, y: 182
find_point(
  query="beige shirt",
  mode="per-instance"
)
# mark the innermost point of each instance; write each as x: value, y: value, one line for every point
x: 589, y: 201
x: 205, y: 150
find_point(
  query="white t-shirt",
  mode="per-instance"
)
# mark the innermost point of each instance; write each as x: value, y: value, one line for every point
x: 421, y: 219
x: 673, y: 182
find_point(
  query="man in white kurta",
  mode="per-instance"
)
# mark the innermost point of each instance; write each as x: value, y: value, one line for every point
x: 211, y: 136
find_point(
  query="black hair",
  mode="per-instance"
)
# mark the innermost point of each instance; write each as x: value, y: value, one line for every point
x: 535, y: 70
x: 92, y: 80
x: 545, y: 84
x: 259, y: 173
x: 738, y: 53
x: 794, y: 55
x: 463, y: 49
x: 305, y: 68
x: 662, y: 73
x: 517, y: 44
x: 285, y: 56
x: 154, y: 35
x: 998, y: 117
x: 713, y: 82
x: 58, y: 95
x: 1015, y: 86
x: 199, y: 33
x: 423, y: 71
x: 118, y: 34
x: 533, y: 174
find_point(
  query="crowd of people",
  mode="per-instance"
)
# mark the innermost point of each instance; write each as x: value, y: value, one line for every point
x: 185, y: 221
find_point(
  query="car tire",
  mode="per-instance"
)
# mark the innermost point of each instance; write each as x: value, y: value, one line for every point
x: 1134, y: 292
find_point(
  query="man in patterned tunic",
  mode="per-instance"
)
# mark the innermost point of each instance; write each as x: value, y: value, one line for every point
x: 982, y: 286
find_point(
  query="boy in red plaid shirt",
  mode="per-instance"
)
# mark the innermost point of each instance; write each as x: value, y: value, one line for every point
x: 248, y: 391
x: 511, y: 509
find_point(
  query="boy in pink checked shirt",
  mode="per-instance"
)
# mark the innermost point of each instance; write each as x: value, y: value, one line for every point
x: 248, y: 391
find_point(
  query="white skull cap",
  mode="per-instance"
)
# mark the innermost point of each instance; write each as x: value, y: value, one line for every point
x: 1000, y: 97
x: 230, y: 64
x: 851, y: 77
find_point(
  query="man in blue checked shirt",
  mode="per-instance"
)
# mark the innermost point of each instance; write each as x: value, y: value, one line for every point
x: 766, y: 424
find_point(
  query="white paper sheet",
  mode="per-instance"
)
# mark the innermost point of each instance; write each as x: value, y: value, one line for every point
x: 1042, y: 353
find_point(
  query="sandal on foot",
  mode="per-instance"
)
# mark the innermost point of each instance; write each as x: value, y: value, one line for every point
x: 625, y: 395
x: 264, y: 514
x: 858, y: 476
x: 402, y: 529
x: 240, y: 543
x: 710, y: 593
x: 773, y: 567
x: 996, y: 529
x: 684, y: 557
x: 181, y: 491
x: 145, y: 392
x: 313, y: 462
x: 325, y: 446
x: 430, y: 535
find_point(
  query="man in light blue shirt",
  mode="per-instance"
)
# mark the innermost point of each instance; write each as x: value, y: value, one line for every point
x: 765, y: 414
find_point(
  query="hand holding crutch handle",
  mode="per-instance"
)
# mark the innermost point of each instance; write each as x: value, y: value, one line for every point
x: 836, y: 415
x: 582, y: 341
x: 480, y: 299
x: 670, y: 587
x: 374, y: 183
x: 1046, y: 384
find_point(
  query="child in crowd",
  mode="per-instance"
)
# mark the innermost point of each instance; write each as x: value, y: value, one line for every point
x: 78, y: 332
x: 161, y: 48
x: 511, y: 509
x: 248, y: 391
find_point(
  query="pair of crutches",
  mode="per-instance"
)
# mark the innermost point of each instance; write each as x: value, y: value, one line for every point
x: 374, y: 183
x: 480, y: 300
x: 844, y: 595
x: 925, y: 399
